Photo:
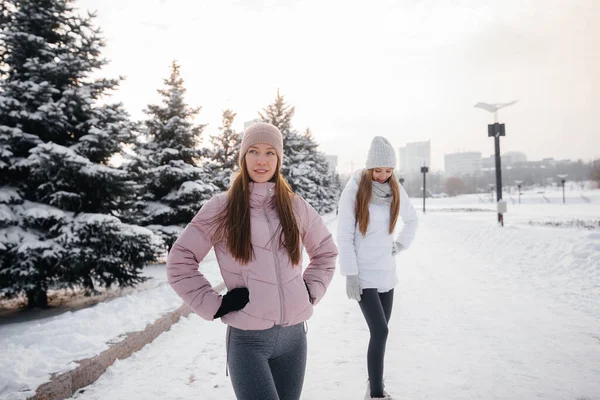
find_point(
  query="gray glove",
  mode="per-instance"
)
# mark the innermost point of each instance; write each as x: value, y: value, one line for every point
x: 353, y: 290
x: 397, y: 248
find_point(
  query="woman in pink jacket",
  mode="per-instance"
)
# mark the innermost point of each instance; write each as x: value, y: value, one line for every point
x: 258, y: 229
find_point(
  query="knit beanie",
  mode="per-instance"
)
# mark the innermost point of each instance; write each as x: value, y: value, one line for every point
x: 262, y: 132
x: 381, y: 154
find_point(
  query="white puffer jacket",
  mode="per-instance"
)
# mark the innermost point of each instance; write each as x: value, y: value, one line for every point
x: 370, y: 256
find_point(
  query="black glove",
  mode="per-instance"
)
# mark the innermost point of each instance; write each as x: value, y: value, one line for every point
x: 234, y: 300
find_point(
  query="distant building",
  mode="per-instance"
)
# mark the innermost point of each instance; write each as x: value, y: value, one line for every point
x: 513, y: 157
x: 402, y: 161
x: 466, y: 163
x: 413, y: 156
x: 488, y: 162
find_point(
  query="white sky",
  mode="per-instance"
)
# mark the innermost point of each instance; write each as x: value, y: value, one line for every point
x: 408, y: 70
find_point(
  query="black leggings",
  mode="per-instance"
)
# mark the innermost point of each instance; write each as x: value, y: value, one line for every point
x: 377, y: 310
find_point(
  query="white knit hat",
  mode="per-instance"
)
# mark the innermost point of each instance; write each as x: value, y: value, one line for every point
x: 381, y: 154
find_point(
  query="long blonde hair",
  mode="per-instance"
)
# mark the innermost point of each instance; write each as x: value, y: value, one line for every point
x: 363, y: 198
x: 233, y: 223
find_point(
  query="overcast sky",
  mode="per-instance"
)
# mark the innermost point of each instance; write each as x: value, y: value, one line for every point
x: 409, y: 70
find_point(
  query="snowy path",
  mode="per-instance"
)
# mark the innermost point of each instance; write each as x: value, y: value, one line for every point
x: 480, y: 313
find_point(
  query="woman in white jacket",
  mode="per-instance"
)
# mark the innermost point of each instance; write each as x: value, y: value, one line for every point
x: 368, y: 240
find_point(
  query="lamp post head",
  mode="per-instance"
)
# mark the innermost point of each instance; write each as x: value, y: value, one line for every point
x: 494, y: 107
x: 562, y: 178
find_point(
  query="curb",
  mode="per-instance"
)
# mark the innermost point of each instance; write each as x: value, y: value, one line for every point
x: 65, y: 385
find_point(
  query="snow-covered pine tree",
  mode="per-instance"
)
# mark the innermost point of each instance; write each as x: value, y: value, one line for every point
x: 224, y: 155
x: 59, y: 198
x: 304, y: 166
x: 319, y: 184
x: 135, y: 164
x: 176, y: 185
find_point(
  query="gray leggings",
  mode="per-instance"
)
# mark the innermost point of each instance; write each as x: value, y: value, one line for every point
x: 267, y: 364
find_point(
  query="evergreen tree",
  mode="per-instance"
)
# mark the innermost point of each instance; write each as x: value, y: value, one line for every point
x: 304, y: 166
x: 280, y: 114
x: 59, y: 198
x: 595, y: 171
x: 176, y: 185
x: 226, y: 147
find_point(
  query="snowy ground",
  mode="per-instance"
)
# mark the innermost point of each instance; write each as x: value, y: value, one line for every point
x: 533, y: 209
x: 481, y: 312
x: 64, y: 300
x: 34, y: 349
x: 537, y: 197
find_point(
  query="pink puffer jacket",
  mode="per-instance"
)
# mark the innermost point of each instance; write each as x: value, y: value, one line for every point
x: 278, y: 294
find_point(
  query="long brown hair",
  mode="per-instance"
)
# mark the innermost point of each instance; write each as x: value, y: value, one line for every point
x: 363, y: 198
x: 233, y: 223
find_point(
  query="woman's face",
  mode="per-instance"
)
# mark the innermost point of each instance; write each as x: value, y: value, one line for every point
x: 261, y: 162
x: 381, y: 175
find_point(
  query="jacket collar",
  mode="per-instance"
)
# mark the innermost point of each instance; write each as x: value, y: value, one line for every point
x: 259, y: 192
x: 354, y: 180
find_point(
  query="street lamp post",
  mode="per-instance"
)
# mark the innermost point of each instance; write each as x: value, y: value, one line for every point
x: 562, y: 181
x: 424, y: 171
x: 519, y: 187
x: 491, y: 186
x: 496, y: 130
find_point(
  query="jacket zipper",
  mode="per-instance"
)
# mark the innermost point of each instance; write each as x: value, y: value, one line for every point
x: 276, y: 258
